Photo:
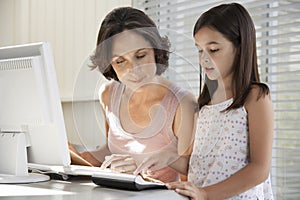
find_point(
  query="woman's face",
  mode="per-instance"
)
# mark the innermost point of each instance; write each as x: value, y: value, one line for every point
x: 216, y: 53
x: 133, y: 59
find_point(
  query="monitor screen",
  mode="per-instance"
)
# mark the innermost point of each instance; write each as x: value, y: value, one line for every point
x: 30, y: 102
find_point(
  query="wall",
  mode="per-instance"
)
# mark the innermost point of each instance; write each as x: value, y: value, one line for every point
x: 71, y: 27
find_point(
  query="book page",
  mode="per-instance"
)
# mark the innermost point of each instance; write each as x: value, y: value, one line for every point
x: 147, y: 180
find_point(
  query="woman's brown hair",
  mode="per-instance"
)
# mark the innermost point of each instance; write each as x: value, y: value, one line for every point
x: 128, y: 18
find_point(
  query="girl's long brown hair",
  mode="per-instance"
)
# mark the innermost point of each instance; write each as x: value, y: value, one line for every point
x: 233, y: 22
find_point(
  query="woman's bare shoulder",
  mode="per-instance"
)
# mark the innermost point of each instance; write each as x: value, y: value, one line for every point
x: 104, y: 92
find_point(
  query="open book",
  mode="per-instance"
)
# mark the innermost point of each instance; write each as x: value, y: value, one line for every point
x: 113, y: 179
x: 99, y: 176
x: 125, y: 181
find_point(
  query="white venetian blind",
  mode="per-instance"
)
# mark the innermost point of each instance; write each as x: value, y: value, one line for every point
x: 278, y: 44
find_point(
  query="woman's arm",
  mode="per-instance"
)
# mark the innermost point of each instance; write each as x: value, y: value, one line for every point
x: 97, y: 157
x: 184, y: 129
x: 76, y: 159
x: 88, y: 158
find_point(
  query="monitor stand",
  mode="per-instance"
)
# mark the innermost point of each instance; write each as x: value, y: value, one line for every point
x: 13, y: 160
x: 30, y: 178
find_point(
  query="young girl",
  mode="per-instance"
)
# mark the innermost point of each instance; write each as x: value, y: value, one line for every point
x: 146, y: 114
x: 233, y: 144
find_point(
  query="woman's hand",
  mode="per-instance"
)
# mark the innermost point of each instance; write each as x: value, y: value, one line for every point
x: 157, y: 161
x: 120, y: 163
x: 188, y: 189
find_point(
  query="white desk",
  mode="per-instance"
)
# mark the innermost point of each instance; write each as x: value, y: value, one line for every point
x: 80, y: 189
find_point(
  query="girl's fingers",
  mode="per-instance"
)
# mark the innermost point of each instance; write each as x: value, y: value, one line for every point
x: 183, y: 188
x: 180, y: 185
x: 183, y: 192
x: 174, y: 185
x: 187, y: 189
x: 189, y: 193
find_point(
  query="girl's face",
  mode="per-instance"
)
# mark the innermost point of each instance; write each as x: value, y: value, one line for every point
x: 133, y: 59
x: 216, y: 53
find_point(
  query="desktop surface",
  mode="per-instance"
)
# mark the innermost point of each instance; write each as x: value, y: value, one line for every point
x: 79, y: 188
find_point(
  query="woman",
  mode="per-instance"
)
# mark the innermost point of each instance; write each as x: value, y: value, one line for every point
x: 146, y: 114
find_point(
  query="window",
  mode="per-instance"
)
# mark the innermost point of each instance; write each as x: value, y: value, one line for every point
x: 278, y: 45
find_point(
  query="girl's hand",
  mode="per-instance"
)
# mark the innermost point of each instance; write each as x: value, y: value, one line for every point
x: 120, y: 163
x: 188, y: 189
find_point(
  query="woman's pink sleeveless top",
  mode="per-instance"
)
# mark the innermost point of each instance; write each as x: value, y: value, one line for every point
x: 156, y: 138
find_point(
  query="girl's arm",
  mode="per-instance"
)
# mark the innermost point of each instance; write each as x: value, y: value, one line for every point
x: 260, y: 119
x: 261, y: 127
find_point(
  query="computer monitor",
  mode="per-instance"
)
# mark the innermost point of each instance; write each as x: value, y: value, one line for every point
x: 30, y: 105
